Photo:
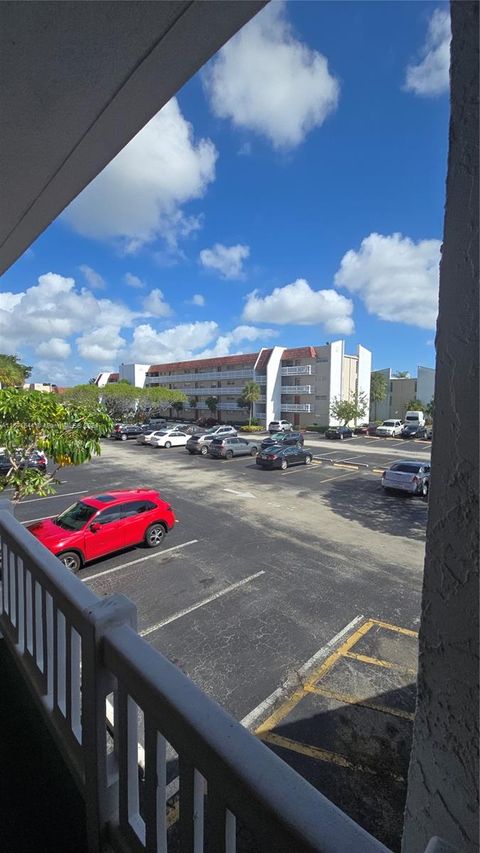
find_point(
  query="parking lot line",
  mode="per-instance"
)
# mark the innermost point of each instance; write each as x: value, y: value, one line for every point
x: 340, y: 476
x: 386, y: 664
x: 49, y: 497
x: 205, y: 601
x: 140, y: 560
x: 347, y: 699
x: 396, y: 628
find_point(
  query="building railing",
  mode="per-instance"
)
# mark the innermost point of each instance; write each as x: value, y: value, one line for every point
x: 296, y: 389
x: 295, y: 407
x: 299, y: 370
x: 77, y: 653
x: 199, y: 377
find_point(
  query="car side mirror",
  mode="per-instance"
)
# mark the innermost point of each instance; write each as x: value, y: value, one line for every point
x: 95, y: 526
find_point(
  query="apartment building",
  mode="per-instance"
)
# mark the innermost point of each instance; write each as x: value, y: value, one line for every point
x: 401, y: 390
x: 298, y: 384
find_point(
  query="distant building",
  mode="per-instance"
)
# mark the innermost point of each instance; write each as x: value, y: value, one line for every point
x: 401, y: 390
x: 298, y: 384
x: 48, y: 387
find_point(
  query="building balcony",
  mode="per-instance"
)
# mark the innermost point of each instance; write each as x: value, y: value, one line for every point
x: 296, y: 389
x: 217, y: 376
x: 296, y: 407
x: 298, y: 370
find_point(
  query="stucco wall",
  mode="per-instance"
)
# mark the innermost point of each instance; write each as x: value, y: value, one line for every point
x: 443, y: 779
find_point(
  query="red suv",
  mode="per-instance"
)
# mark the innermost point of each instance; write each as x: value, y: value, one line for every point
x: 101, y: 524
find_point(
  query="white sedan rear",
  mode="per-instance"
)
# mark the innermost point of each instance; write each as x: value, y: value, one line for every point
x: 169, y: 438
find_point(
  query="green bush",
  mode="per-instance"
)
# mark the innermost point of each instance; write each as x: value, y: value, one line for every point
x: 316, y: 428
x: 253, y: 428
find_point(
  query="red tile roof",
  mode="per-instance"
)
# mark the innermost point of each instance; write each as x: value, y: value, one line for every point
x: 299, y: 352
x: 236, y: 360
x: 263, y: 360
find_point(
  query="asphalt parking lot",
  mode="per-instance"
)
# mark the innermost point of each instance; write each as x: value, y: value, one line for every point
x: 266, y: 575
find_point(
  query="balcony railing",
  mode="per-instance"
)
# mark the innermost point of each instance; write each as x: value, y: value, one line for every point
x: 299, y: 370
x: 296, y: 407
x: 217, y: 376
x: 78, y: 651
x: 296, y: 389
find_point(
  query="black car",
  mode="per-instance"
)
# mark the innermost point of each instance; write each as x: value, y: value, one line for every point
x: 340, y: 432
x: 283, y: 438
x: 410, y: 431
x: 124, y: 431
x: 277, y: 456
x: 36, y: 460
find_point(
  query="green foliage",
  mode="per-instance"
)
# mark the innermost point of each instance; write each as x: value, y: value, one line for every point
x: 12, y: 371
x: 402, y: 374
x: 317, y: 428
x: 212, y: 404
x: 349, y: 410
x: 415, y: 406
x: 378, y: 387
x: 250, y: 394
x: 252, y: 428
x: 69, y: 434
x: 429, y: 409
x: 121, y: 400
x: 193, y: 402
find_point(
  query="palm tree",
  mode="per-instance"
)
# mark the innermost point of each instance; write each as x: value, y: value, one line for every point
x: 250, y: 394
x: 211, y: 404
x: 193, y: 403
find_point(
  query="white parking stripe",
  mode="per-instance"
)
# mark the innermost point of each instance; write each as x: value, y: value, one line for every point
x: 200, y: 604
x: 49, y: 497
x: 31, y: 520
x: 140, y: 560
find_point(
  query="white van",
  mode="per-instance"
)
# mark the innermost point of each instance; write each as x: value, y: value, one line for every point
x: 415, y: 418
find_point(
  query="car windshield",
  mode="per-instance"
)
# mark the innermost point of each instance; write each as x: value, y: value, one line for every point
x: 162, y: 432
x: 388, y: 423
x: 406, y: 467
x: 76, y: 516
x: 277, y: 436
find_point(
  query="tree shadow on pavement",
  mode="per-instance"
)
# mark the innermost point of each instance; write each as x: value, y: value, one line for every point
x: 397, y: 514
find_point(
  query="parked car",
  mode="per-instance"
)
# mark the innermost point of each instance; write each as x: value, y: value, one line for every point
x: 123, y: 431
x: 407, y: 476
x: 361, y: 430
x: 169, y: 438
x: 372, y: 429
x: 36, y: 460
x: 101, y: 524
x: 390, y: 428
x: 282, y: 457
x: 339, y: 432
x: 206, y: 423
x: 410, y: 431
x: 279, y: 426
x: 226, y: 448
x: 283, y: 438
x: 425, y: 432
x: 199, y: 443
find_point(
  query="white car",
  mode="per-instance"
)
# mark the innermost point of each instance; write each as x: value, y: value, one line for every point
x: 390, y: 428
x: 280, y: 426
x: 146, y: 438
x: 407, y: 476
x: 169, y: 438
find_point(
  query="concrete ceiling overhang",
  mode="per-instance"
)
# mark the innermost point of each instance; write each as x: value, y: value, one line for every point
x: 79, y: 80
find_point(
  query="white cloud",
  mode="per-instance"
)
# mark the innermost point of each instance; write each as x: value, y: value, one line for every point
x: 54, y: 348
x: 175, y: 344
x: 298, y: 304
x: 430, y: 76
x: 133, y: 280
x: 55, y: 308
x: 101, y: 344
x: 139, y: 196
x: 227, y: 260
x: 396, y: 278
x: 154, y: 304
x: 92, y: 277
x: 224, y: 343
x: 198, y: 300
x: 265, y: 80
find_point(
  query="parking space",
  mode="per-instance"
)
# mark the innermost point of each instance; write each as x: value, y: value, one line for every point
x: 261, y: 570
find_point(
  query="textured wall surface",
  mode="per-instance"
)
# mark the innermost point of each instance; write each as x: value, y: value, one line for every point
x: 443, y: 780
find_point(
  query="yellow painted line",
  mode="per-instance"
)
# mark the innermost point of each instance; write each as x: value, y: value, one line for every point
x: 346, y: 467
x: 340, y: 477
x: 354, y: 700
x: 321, y: 754
x: 378, y: 470
x: 298, y: 695
x: 395, y: 628
x: 378, y: 662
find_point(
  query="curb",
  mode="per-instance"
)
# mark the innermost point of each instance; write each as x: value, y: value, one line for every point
x: 342, y: 462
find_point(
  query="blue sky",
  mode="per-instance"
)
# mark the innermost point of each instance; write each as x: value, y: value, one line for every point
x: 292, y: 193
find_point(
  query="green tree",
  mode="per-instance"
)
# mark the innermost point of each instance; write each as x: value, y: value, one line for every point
x: 193, y: 403
x: 211, y: 404
x: 68, y: 433
x: 415, y: 406
x: 177, y: 406
x: 250, y: 394
x: 378, y: 391
x: 429, y: 409
x: 349, y: 410
x: 12, y: 371
x: 402, y: 374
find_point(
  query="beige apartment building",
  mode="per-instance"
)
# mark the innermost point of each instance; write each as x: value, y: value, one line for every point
x: 297, y: 384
